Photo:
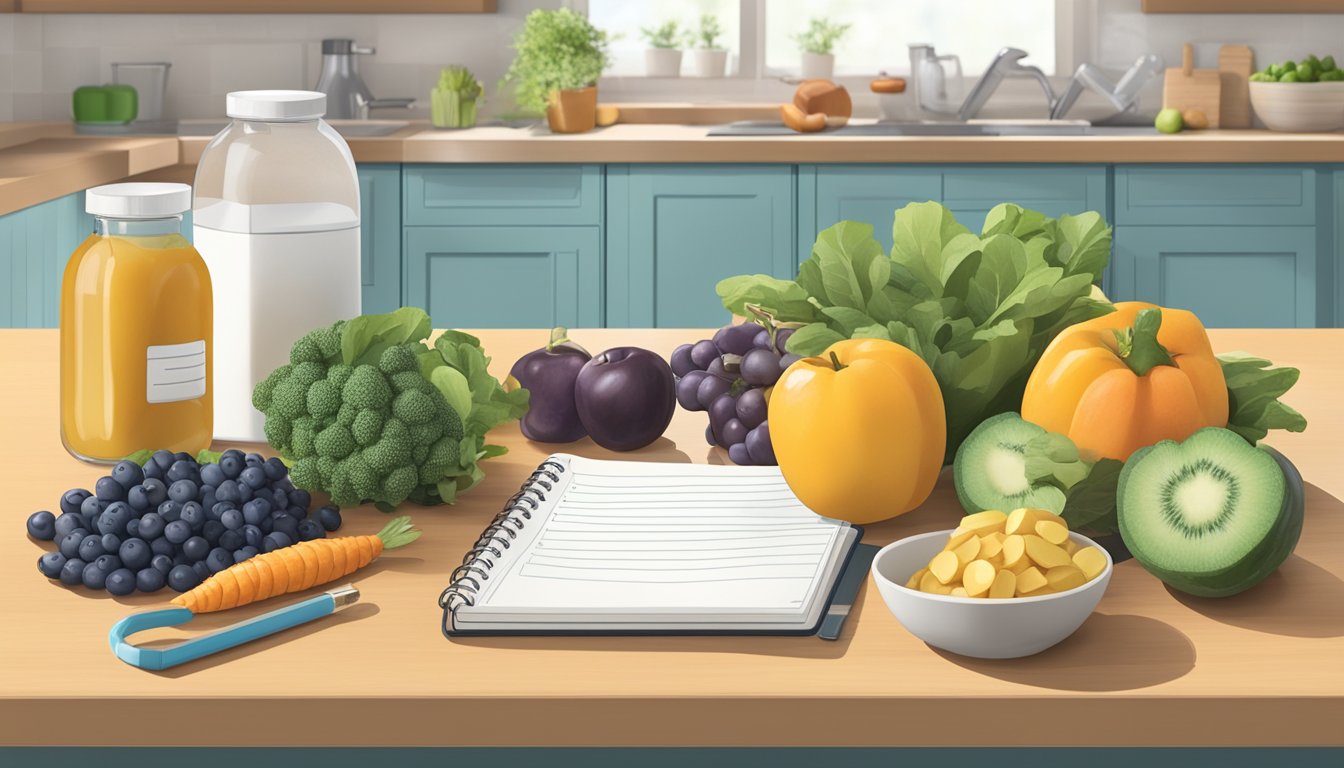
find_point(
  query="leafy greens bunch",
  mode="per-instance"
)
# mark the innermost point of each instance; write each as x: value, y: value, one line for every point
x: 979, y: 309
x: 366, y: 412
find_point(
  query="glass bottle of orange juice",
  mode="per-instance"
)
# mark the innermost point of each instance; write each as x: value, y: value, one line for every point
x: 136, y: 318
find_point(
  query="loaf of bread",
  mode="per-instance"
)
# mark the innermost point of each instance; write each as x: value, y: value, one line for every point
x: 823, y: 96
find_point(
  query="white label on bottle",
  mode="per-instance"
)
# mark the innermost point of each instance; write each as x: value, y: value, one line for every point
x: 175, y: 372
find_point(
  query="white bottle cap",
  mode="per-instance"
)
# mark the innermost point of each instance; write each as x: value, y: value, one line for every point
x: 276, y: 105
x: 141, y: 200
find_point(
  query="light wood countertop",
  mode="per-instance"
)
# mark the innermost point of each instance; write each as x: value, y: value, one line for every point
x: 41, y: 161
x: 1148, y: 668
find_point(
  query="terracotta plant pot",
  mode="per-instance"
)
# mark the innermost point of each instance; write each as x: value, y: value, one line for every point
x: 573, y: 110
x: 817, y: 66
x: 708, y: 62
x: 662, y: 62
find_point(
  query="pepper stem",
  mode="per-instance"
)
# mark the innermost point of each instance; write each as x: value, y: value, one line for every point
x: 1139, y: 347
x: 835, y: 362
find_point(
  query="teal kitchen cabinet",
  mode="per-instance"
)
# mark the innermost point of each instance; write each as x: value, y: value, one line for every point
x: 35, y: 244
x: 503, y: 195
x: 1232, y: 277
x: 1238, y: 245
x: 873, y: 193
x: 380, y: 236
x: 672, y: 232
x: 505, y: 277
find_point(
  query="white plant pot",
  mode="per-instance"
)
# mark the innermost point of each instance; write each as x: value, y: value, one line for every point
x: 817, y: 66
x: 708, y: 62
x: 662, y: 62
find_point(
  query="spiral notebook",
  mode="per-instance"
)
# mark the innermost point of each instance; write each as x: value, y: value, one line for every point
x: 590, y: 546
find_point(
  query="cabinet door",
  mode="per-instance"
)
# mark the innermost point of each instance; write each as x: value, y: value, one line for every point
x: 1232, y: 277
x: 871, y: 194
x: 380, y: 236
x: 505, y: 277
x: 970, y: 191
x: 673, y: 232
x: 35, y: 244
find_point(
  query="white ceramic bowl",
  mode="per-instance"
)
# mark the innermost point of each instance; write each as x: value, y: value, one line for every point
x: 983, y: 628
x: 1299, y: 107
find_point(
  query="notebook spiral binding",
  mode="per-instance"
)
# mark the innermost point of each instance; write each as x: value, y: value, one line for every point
x: 465, y: 583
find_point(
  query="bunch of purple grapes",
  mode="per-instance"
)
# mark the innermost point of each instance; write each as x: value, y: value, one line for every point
x: 727, y: 376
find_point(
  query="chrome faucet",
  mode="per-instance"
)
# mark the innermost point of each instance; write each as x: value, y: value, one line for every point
x: 1123, y: 95
x: 1007, y: 63
x: 347, y: 96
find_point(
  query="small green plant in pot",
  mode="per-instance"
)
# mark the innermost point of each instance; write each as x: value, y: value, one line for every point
x: 708, y: 59
x: 453, y: 102
x: 817, y: 45
x: 559, y: 57
x: 663, y: 56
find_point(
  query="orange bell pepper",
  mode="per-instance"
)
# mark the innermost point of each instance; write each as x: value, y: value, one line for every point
x: 859, y: 432
x: 1122, y: 381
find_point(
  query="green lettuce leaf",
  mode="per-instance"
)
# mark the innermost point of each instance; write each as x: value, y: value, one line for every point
x: 1253, y: 391
x: 364, y: 338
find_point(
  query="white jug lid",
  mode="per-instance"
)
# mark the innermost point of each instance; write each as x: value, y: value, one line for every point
x: 138, y: 200
x: 276, y: 105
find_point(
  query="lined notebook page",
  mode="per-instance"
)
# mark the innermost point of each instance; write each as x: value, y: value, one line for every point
x: 668, y: 539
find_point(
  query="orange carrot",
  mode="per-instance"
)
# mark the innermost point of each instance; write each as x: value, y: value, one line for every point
x: 294, y: 568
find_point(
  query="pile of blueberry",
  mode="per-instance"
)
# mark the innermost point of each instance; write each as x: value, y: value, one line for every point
x: 174, y: 521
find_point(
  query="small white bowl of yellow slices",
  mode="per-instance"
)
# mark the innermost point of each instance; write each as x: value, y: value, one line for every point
x: 999, y: 586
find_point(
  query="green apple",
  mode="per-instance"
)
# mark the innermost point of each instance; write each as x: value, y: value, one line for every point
x: 1169, y: 120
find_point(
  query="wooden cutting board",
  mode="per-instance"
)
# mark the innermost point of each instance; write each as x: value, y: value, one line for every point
x: 1235, y: 65
x: 1190, y: 88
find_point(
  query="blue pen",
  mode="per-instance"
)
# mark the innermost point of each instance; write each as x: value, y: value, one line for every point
x: 233, y: 635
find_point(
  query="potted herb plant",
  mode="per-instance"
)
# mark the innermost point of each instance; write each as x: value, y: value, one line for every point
x: 817, y: 44
x: 663, y: 56
x: 708, y: 59
x: 560, y: 56
x: 452, y: 104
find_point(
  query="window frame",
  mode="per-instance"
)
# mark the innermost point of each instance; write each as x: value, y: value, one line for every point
x: 1074, y: 43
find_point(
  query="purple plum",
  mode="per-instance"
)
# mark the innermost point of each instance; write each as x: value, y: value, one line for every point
x: 550, y: 374
x: 626, y: 397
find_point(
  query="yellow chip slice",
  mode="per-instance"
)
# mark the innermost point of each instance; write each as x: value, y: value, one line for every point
x: 1091, y: 561
x: 1003, y: 586
x: 1045, y: 554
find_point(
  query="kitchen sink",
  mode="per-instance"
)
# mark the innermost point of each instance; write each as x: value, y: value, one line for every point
x: 351, y: 129
x: 971, y: 128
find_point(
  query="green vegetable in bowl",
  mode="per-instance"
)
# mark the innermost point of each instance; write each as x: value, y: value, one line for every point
x: 979, y: 309
x: 1309, y: 70
x: 367, y: 413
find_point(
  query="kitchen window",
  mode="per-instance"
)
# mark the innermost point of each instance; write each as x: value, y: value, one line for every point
x: 759, y: 33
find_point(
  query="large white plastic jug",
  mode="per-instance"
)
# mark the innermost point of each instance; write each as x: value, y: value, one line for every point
x: 276, y: 218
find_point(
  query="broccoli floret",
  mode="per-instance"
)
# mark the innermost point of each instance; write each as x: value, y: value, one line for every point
x: 443, y: 455
x: 396, y: 359
x: 278, y: 428
x: 305, y: 350
x: 393, y: 448
x: 303, y: 473
x: 302, y: 436
x: 262, y: 393
x: 427, y: 433
x: 413, y: 407
x: 367, y: 388
x: 334, y: 441
x: 346, y: 415
x: 324, y: 399
x: 339, y: 374
x: 367, y: 427
x: 408, y: 380
x: 329, y: 339
x: 399, y: 484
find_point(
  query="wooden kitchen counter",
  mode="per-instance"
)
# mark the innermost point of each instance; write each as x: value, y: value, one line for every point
x: 42, y: 161
x: 1148, y: 668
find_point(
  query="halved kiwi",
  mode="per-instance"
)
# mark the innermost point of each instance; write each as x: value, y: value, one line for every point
x: 1211, y: 516
x: 990, y: 468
